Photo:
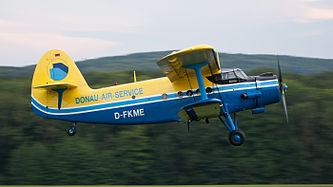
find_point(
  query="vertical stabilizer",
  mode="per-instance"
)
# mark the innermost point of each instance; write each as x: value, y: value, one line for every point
x: 57, y: 80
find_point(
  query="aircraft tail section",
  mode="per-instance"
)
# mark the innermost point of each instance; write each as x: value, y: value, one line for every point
x: 56, y: 80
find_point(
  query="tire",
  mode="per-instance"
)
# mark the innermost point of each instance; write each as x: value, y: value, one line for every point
x: 71, y: 131
x: 237, y: 137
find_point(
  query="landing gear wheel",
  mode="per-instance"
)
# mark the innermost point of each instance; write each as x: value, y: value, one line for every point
x: 237, y: 137
x: 71, y: 131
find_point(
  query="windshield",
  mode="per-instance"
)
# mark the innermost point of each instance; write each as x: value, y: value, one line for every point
x: 229, y: 76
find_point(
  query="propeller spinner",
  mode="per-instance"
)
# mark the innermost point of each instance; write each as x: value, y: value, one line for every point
x: 283, y: 88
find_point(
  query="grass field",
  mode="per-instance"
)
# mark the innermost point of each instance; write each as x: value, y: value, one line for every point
x: 261, y: 185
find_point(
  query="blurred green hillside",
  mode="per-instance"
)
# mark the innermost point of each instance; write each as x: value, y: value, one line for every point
x: 147, y: 61
x: 34, y: 150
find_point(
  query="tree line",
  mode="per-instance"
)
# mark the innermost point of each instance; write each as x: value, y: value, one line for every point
x: 34, y: 150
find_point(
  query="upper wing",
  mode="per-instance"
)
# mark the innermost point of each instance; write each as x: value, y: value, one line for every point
x: 173, y: 64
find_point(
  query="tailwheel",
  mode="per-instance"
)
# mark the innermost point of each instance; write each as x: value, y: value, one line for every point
x: 237, y: 137
x: 72, y: 131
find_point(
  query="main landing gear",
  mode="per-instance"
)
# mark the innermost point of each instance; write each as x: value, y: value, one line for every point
x: 72, y: 130
x: 236, y: 136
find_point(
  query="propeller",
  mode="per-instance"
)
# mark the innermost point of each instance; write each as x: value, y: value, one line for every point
x: 283, y: 87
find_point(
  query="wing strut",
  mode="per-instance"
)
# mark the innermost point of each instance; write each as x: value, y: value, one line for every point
x: 197, y: 69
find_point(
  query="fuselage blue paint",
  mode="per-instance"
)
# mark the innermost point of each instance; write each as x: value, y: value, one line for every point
x: 154, y: 109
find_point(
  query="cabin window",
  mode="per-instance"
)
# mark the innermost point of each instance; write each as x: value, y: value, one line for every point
x: 180, y: 94
x: 164, y: 96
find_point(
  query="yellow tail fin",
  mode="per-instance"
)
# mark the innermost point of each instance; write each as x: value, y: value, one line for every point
x: 57, y: 80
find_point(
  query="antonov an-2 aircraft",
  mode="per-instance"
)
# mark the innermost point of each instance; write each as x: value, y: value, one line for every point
x: 196, y: 88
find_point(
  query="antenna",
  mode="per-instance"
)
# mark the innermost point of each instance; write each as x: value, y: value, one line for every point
x: 134, y: 76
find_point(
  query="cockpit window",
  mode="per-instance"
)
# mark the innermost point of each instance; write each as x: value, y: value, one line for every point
x: 240, y: 74
x: 226, y: 77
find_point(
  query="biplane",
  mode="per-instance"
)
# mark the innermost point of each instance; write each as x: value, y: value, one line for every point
x: 195, y: 88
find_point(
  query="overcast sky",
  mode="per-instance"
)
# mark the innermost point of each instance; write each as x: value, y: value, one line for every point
x: 91, y: 29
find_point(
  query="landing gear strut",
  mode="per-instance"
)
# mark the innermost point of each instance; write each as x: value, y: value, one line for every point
x: 71, y: 131
x: 236, y: 136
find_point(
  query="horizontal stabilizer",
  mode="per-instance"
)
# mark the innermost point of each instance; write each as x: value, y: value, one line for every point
x: 53, y: 86
x: 57, y: 87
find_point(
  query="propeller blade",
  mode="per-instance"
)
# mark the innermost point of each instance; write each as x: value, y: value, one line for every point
x: 279, y: 69
x: 284, y: 105
x: 282, y: 90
